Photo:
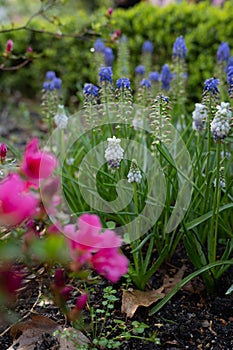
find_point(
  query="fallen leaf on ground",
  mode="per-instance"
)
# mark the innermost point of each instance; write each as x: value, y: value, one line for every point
x: 37, y: 333
x: 171, y: 282
x: 132, y: 299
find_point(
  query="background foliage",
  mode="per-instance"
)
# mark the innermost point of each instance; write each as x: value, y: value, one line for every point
x: 203, y: 27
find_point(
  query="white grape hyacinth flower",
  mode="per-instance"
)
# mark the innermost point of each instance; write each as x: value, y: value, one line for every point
x: 114, y: 153
x: 199, y: 116
x: 220, y: 125
x: 61, y: 118
x: 134, y: 174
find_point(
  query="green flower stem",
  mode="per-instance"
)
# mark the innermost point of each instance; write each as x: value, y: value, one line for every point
x: 137, y: 255
x: 106, y: 107
x: 205, y: 207
x: 213, y: 235
x: 61, y: 144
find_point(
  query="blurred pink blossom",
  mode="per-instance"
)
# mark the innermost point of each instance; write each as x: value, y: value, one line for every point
x: 89, y: 244
x: 110, y: 263
x: 9, y: 46
x: 37, y: 164
x: 109, y: 12
x: 88, y: 238
x: 17, y: 203
x: 3, y: 152
x: 10, y: 279
x: 81, y: 301
x: 66, y: 291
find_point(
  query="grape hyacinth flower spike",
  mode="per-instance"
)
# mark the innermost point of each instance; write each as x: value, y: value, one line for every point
x: 179, y: 48
x: 114, y: 153
x: 199, y: 116
x: 134, y: 174
x: 220, y: 125
x: 223, y: 53
x: 166, y: 77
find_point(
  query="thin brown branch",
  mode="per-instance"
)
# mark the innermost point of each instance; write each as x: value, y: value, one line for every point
x: 14, y: 67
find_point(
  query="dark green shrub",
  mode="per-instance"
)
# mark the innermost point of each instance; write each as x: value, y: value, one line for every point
x: 203, y: 27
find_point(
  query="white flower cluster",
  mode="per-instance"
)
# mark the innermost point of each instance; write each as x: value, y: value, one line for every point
x: 134, y: 174
x: 221, y: 184
x: 199, y: 116
x: 114, y: 153
x: 61, y: 118
x: 220, y: 125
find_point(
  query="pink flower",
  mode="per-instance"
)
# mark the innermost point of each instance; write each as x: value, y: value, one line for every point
x: 109, y: 12
x: 3, y: 152
x: 9, y: 46
x: 17, y: 203
x: 81, y: 301
x: 10, y: 279
x: 90, y: 244
x: 66, y: 291
x: 110, y: 263
x: 29, y: 49
x: 59, y: 278
x: 89, y: 238
x: 37, y: 164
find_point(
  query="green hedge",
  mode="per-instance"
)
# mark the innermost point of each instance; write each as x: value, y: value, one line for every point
x: 203, y: 27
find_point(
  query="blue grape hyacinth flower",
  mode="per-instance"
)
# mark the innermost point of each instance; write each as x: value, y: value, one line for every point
x: 52, y: 82
x: 154, y: 76
x: 165, y: 77
x: 145, y: 83
x: 123, y: 83
x: 140, y: 70
x: 223, y: 53
x: 99, y: 46
x: 211, y: 85
x: 179, y: 48
x: 90, y: 90
x: 108, y: 56
x: 147, y: 46
x: 105, y: 74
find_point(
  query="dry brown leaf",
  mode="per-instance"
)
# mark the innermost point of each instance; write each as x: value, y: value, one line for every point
x: 30, y: 333
x: 75, y: 337
x: 171, y: 282
x: 132, y: 299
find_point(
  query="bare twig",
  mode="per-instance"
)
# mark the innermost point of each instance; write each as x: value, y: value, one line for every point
x: 3, y: 68
x: 28, y: 313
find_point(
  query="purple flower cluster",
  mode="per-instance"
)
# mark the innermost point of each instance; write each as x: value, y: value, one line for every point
x: 99, y: 46
x: 211, y: 86
x: 223, y: 53
x: 105, y: 74
x: 230, y: 78
x: 166, y: 77
x: 146, y: 83
x: 180, y: 48
x: 147, y: 46
x: 52, y: 82
x: 108, y: 56
x: 107, y: 52
x: 140, y: 70
x: 90, y: 90
x: 154, y: 76
x: 123, y: 83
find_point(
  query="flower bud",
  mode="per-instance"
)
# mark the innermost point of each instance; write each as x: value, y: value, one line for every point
x: 81, y: 301
x: 109, y: 12
x: 65, y: 292
x: 3, y: 152
x: 9, y: 46
x: 59, y: 278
